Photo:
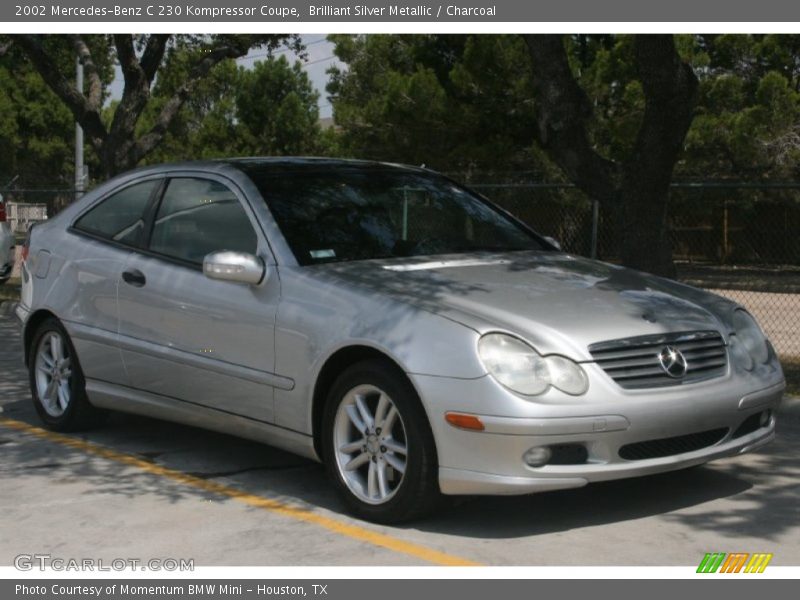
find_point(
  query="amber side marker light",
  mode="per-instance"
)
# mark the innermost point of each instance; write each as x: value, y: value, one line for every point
x: 470, y: 422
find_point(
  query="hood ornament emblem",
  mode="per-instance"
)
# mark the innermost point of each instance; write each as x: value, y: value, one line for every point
x: 672, y: 361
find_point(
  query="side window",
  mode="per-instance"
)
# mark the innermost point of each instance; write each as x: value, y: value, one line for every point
x: 199, y: 216
x: 120, y: 217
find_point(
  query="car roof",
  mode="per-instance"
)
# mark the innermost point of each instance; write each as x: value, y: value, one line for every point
x: 261, y: 166
x: 282, y: 164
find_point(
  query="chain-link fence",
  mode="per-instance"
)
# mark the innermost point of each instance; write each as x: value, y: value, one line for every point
x: 739, y: 240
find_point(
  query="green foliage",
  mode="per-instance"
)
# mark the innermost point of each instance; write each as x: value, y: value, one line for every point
x: 276, y: 107
x: 746, y: 123
x: 270, y: 109
x: 452, y: 102
x: 36, y: 130
x: 464, y: 103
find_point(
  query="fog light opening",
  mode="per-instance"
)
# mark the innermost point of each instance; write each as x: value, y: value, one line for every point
x: 537, y: 457
x: 764, y: 418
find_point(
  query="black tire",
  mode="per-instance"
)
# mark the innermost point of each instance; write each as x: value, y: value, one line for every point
x: 79, y: 414
x: 418, y: 491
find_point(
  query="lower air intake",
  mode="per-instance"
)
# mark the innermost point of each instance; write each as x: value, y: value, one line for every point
x: 671, y: 446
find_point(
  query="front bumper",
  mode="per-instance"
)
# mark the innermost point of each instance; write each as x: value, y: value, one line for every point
x: 490, y: 462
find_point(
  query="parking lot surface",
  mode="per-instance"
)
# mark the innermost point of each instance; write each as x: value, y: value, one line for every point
x: 140, y: 488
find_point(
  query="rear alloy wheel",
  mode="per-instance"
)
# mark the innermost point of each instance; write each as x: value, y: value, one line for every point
x: 57, y: 383
x: 379, y: 449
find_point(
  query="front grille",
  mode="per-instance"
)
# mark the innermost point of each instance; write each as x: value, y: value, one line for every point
x: 670, y: 446
x: 633, y: 362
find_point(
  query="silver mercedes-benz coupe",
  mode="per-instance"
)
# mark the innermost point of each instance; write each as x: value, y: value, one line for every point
x: 387, y: 321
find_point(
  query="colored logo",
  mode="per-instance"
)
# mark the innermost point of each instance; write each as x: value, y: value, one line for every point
x: 736, y: 562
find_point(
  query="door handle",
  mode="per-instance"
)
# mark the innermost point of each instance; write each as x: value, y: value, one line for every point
x: 135, y: 278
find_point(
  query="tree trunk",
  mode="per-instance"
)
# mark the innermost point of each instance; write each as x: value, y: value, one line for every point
x: 637, y: 189
x: 645, y: 243
x: 670, y: 89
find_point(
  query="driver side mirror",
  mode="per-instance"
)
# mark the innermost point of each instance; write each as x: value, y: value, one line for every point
x: 239, y: 267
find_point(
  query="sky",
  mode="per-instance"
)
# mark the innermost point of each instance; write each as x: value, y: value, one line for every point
x: 320, y: 58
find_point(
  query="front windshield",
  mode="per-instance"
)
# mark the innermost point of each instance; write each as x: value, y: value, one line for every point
x: 351, y: 214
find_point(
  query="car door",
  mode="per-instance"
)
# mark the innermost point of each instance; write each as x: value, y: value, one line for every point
x: 102, y: 239
x: 186, y: 336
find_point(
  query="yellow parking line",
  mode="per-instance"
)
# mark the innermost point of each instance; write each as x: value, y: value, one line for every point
x: 300, y: 514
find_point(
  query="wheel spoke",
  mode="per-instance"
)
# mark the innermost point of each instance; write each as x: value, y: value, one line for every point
x: 363, y: 410
x: 350, y: 447
x: 66, y: 364
x: 355, y: 419
x: 380, y: 410
x: 46, y: 359
x: 395, y: 446
x: 394, y: 462
x: 372, y: 483
x: 357, y: 462
x: 388, y: 422
x: 63, y: 396
x: 50, y: 392
x: 383, y: 486
x: 56, y: 349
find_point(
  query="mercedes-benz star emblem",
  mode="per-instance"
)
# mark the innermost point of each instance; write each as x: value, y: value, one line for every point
x: 672, y: 361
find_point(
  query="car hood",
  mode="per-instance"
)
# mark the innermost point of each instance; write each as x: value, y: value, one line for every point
x: 558, y: 302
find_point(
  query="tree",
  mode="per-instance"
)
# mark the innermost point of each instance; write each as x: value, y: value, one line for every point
x: 36, y: 129
x: 269, y: 109
x: 453, y: 102
x: 276, y: 108
x: 638, y: 184
x: 747, y: 122
x: 118, y: 142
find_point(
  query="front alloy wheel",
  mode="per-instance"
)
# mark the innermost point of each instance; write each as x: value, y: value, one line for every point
x: 378, y: 446
x: 370, y: 442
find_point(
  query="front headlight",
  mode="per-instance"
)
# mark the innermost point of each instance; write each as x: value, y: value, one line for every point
x: 517, y: 366
x: 749, y: 334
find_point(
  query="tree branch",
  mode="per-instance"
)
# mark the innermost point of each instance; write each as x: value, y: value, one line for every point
x: 670, y: 91
x: 208, y: 61
x: 86, y: 114
x: 131, y: 70
x: 95, y: 96
x: 153, y: 54
x: 562, y: 113
x: 135, y: 95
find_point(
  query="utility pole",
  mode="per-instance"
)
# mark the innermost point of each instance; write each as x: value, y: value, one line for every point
x: 80, y: 170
